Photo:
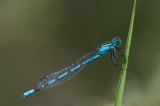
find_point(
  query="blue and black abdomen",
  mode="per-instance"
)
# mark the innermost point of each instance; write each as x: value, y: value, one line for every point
x: 63, y: 74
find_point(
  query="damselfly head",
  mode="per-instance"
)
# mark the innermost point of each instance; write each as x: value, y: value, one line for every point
x: 116, y: 41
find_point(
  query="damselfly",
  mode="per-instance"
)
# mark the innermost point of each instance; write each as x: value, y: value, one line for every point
x: 63, y: 74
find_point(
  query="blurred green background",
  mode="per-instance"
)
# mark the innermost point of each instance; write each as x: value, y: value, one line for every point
x: 40, y: 36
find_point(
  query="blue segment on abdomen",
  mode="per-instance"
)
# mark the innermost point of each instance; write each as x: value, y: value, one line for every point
x: 29, y: 92
x: 61, y: 76
x: 50, y: 82
x: 75, y: 68
x: 90, y: 59
x: 96, y: 56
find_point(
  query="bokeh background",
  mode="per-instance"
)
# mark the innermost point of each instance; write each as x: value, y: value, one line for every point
x: 40, y: 36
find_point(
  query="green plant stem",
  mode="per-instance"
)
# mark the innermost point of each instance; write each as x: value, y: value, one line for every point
x: 120, y: 89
